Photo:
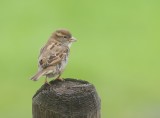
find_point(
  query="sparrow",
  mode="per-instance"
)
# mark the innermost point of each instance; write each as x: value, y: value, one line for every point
x: 54, y: 54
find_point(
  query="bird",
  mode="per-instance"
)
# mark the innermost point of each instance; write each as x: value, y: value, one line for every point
x: 53, y: 55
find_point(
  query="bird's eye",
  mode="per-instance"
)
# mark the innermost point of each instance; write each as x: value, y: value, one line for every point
x: 65, y: 37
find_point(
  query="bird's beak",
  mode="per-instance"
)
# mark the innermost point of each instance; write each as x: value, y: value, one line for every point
x: 73, y: 39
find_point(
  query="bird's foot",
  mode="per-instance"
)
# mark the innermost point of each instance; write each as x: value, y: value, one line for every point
x: 46, y: 82
x: 59, y: 78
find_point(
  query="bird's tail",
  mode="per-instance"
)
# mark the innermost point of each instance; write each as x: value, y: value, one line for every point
x: 38, y: 75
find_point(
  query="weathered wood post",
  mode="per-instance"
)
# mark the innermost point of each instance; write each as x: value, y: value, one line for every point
x: 66, y: 99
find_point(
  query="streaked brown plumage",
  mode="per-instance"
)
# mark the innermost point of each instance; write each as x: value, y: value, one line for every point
x: 54, y: 55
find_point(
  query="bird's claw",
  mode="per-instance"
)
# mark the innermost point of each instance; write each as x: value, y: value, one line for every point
x: 61, y: 79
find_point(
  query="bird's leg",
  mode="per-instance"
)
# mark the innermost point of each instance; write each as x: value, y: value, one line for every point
x: 46, y: 81
x: 59, y: 78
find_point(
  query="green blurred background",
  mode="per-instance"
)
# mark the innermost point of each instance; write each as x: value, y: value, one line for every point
x: 117, y: 50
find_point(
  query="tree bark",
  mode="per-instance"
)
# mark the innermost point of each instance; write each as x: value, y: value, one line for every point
x: 70, y: 98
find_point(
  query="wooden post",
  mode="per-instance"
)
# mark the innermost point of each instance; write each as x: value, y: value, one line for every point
x: 71, y: 98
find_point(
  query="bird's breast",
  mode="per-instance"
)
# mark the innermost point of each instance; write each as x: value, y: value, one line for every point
x: 63, y: 64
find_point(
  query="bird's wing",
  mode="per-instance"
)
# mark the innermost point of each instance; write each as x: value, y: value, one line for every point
x: 52, y: 54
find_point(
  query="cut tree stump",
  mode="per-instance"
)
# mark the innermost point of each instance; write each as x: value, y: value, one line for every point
x: 70, y: 98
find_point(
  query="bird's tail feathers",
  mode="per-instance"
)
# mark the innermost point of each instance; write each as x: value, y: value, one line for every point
x: 38, y: 75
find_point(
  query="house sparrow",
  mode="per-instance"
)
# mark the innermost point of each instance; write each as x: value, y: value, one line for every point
x: 54, y: 55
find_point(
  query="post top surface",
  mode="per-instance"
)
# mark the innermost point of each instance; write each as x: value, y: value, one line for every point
x: 68, y: 86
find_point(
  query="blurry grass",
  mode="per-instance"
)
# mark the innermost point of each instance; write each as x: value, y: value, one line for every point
x: 117, y: 51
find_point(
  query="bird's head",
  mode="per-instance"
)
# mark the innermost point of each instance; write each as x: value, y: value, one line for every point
x: 63, y: 36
